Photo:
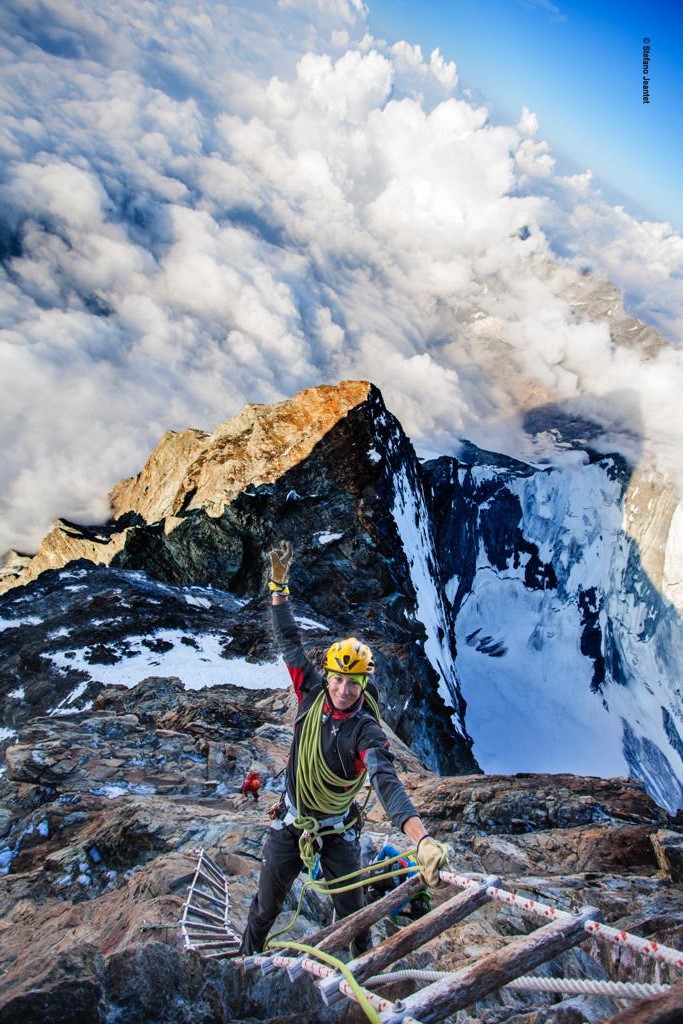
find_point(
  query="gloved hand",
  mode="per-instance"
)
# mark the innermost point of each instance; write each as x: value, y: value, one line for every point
x: 280, y: 562
x: 431, y: 856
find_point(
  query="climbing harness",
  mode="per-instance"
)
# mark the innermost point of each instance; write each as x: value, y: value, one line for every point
x: 343, y: 883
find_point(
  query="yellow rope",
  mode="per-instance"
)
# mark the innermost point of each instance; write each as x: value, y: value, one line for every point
x: 326, y: 888
x: 318, y: 788
x: 366, y: 1006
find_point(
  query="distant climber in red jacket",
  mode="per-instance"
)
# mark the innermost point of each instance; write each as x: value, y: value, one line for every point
x: 338, y: 743
x: 251, y: 786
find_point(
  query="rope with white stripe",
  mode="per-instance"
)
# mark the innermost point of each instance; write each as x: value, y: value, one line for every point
x: 648, y: 947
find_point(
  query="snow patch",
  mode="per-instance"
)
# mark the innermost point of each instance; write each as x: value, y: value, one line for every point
x: 28, y: 620
x: 326, y: 538
x: 309, y: 623
x: 56, y: 633
x: 411, y: 517
x: 63, y: 707
x: 197, y: 666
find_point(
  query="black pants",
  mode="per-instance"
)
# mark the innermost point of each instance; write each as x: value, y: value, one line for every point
x: 281, y: 864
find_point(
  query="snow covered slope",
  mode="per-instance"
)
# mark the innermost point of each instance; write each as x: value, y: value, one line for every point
x: 568, y: 657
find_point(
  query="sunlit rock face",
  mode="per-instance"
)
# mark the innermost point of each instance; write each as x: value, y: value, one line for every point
x: 191, y: 470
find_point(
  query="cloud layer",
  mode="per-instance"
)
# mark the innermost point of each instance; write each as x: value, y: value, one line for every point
x: 202, y: 207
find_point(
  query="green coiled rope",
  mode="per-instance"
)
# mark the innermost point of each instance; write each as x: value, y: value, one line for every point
x: 318, y: 788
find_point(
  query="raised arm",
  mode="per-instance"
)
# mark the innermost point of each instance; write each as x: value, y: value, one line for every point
x: 287, y: 634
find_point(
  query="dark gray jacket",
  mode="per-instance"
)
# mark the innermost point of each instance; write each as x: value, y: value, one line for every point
x: 352, y: 741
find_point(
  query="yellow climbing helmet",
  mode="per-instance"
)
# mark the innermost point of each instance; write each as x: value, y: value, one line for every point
x: 349, y: 657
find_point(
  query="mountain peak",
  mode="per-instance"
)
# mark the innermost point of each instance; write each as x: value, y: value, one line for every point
x: 191, y: 469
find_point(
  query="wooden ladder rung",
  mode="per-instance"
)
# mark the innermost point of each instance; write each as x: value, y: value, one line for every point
x: 472, y: 983
x: 341, y: 933
x: 411, y: 937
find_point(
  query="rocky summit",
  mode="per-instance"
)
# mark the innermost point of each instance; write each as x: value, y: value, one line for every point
x: 512, y: 617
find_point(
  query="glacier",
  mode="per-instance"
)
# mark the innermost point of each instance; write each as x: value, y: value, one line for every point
x: 568, y: 656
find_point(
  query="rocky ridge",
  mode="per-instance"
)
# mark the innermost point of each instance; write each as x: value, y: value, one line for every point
x: 333, y: 471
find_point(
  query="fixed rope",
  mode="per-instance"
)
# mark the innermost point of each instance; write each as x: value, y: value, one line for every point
x: 333, y: 971
x: 532, y: 983
x: 647, y: 947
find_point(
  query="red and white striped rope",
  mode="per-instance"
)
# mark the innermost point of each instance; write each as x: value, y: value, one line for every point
x: 319, y: 970
x: 648, y: 947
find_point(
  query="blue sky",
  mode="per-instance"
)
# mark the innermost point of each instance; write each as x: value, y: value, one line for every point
x: 578, y: 66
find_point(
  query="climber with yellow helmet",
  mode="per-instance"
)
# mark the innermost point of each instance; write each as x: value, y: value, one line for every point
x: 338, y: 743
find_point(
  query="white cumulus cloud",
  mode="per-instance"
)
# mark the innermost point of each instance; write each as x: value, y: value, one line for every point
x: 208, y: 204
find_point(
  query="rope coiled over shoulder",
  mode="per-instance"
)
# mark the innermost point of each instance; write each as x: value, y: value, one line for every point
x: 318, y: 788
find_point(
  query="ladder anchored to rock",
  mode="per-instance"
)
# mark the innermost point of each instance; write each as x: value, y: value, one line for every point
x: 205, y: 922
x: 447, y: 992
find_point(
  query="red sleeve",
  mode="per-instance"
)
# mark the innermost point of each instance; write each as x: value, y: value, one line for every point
x: 297, y: 677
x: 360, y: 764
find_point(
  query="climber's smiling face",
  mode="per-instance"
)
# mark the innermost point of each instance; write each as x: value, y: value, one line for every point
x: 343, y: 690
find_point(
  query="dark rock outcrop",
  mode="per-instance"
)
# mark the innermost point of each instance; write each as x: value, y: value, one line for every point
x: 333, y: 471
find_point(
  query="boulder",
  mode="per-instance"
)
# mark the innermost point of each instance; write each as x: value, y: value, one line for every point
x: 668, y: 851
